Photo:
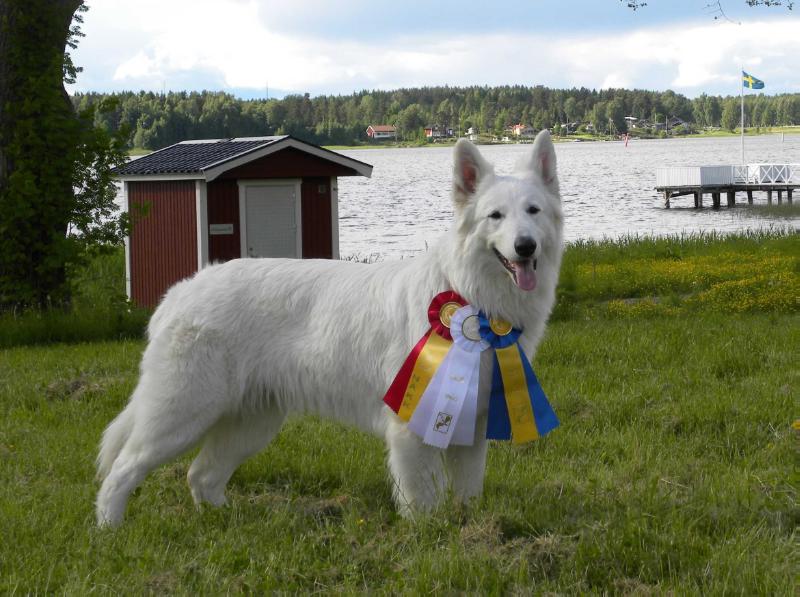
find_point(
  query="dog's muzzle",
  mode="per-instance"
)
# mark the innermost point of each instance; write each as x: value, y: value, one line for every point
x: 522, y: 272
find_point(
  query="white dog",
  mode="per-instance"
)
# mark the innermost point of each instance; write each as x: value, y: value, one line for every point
x: 235, y: 349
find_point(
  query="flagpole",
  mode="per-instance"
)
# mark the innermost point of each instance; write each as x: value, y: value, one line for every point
x: 741, y: 87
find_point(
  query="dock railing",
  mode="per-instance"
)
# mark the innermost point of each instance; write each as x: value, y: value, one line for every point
x: 745, y: 174
x: 768, y: 174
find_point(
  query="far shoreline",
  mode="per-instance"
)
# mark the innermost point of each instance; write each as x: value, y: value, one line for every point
x: 580, y: 138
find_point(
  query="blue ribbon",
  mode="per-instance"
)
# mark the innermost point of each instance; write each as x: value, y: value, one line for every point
x: 499, y: 424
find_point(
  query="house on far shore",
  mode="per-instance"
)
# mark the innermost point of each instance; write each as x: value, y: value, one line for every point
x: 522, y: 130
x: 632, y: 122
x: 435, y: 131
x: 472, y: 134
x: 379, y: 132
x: 669, y: 124
x: 676, y: 121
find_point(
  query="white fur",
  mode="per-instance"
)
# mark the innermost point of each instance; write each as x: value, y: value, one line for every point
x: 240, y: 345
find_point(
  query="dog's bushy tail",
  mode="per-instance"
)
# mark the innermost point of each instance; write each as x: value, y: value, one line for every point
x: 114, y: 438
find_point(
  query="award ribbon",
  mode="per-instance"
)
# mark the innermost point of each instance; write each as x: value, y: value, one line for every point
x: 518, y: 408
x: 447, y: 410
x: 421, y: 364
x: 436, y: 388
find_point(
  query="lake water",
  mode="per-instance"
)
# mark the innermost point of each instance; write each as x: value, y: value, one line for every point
x: 607, y: 191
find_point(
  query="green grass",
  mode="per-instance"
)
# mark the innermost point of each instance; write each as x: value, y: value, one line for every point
x: 750, y: 131
x: 672, y: 471
x: 753, y: 272
x: 99, y: 310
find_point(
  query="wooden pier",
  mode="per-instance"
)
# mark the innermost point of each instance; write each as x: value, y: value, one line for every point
x: 718, y: 181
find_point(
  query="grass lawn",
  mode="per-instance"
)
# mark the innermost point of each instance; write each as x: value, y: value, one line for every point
x: 751, y: 131
x: 673, y: 368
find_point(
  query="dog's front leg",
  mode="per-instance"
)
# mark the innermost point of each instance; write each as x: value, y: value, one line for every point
x: 466, y: 466
x: 418, y: 471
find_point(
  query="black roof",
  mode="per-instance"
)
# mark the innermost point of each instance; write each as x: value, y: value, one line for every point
x: 189, y: 157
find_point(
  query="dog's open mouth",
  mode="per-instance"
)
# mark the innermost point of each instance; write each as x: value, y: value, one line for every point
x: 522, y: 272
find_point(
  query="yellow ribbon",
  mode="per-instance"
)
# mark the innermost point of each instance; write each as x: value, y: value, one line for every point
x: 431, y: 356
x: 520, y: 411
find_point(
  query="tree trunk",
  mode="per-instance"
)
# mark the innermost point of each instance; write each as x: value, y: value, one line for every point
x: 6, y: 23
x: 37, y: 150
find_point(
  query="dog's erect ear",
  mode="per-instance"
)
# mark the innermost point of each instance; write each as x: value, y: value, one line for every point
x: 543, y: 159
x: 469, y: 168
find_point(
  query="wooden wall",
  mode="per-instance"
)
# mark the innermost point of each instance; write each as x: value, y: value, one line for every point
x: 163, y: 241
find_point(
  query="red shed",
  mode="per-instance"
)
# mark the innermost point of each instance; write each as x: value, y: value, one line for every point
x: 198, y: 202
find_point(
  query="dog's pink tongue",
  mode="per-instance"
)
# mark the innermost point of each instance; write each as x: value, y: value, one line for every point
x: 525, y: 274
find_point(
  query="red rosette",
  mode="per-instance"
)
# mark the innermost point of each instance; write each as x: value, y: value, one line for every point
x: 440, y: 311
x: 442, y: 308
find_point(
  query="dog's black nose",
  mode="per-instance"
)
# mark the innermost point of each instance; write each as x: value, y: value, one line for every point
x: 525, y: 246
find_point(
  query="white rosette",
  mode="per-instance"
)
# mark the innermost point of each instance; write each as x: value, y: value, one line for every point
x: 447, y: 410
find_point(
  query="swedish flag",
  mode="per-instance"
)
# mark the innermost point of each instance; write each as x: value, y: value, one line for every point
x: 750, y: 82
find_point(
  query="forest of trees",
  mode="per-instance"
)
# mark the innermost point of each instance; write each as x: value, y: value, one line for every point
x: 157, y: 120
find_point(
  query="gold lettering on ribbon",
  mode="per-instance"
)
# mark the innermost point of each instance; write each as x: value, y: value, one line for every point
x: 520, y: 410
x: 430, y: 357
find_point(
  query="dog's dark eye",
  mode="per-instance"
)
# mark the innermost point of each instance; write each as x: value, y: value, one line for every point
x: 495, y: 215
x: 532, y: 209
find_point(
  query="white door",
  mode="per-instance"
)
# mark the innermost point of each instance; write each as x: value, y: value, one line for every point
x: 271, y: 229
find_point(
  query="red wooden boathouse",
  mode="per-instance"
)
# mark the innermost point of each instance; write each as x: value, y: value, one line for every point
x: 198, y: 202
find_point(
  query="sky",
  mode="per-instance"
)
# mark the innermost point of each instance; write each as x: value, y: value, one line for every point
x: 260, y: 48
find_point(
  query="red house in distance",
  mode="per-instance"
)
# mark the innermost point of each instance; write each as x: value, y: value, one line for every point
x: 212, y: 200
x: 381, y: 131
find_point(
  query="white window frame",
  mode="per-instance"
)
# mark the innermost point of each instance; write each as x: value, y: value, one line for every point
x: 126, y: 206
x: 334, y: 186
x: 201, y: 218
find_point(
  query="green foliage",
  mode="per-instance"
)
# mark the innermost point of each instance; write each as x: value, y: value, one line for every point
x: 58, y: 197
x: 160, y: 120
x: 99, y: 311
x: 731, y: 115
x: 55, y: 326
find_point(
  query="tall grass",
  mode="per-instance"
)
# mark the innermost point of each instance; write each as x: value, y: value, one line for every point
x: 99, y: 311
x: 636, y: 275
x: 679, y: 273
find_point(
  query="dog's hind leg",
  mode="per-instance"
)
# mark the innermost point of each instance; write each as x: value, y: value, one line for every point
x: 228, y: 443
x: 165, y: 423
x: 151, y: 444
x: 418, y: 471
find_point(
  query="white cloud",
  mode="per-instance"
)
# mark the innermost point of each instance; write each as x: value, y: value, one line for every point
x: 233, y: 40
x: 615, y: 80
x: 140, y: 66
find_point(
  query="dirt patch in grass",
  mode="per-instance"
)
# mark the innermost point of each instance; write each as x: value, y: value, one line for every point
x: 78, y: 388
